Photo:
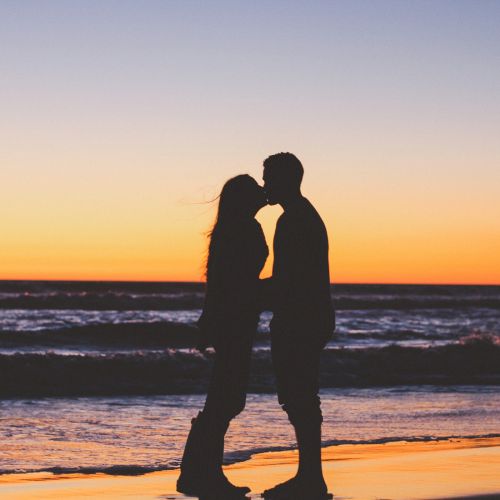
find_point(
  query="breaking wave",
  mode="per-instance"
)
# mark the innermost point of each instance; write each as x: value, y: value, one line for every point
x: 473, y: 360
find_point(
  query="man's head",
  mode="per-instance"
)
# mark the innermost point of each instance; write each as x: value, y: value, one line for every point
x: 282, y: 177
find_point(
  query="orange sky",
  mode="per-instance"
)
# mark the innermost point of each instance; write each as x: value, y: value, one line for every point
x: 135, y: 229
x: 117, y: 123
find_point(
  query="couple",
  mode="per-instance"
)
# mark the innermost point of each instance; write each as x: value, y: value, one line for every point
x: 298, y: 294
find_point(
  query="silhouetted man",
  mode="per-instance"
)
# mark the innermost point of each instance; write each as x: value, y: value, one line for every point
x: 303, y: 319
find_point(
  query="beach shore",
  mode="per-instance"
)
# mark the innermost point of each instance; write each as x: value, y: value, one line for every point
x: 459, y: 468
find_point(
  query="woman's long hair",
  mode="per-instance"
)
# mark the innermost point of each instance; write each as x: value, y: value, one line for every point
x: 234, y: 200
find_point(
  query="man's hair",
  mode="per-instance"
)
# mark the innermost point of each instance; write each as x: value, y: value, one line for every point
x: 286, y: 164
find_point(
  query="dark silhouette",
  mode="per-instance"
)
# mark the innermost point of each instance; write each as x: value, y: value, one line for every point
x: 236, y: 256
x: 303, y: 319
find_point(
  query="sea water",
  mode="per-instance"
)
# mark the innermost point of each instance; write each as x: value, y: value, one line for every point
x: 103, y: 376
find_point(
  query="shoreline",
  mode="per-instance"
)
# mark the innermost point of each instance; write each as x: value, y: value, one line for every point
x: 454, y: 468
x: 239, y: 457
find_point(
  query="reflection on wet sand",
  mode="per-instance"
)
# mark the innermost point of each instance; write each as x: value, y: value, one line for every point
x: 399, y: 470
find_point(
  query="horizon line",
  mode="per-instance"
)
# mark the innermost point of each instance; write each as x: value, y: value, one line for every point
x: 2, y: 280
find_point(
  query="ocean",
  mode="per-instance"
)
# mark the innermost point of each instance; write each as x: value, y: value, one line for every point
x: 102, y: 376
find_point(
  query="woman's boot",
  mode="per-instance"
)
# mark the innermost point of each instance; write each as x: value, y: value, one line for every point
x: 201, y: 466
x: 218, y: 483
x: 191, y: 465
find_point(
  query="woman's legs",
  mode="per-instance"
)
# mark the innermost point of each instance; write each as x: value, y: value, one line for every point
x: 201, y: 468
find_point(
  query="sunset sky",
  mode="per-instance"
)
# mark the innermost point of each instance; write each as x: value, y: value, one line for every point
x: 120, y: 119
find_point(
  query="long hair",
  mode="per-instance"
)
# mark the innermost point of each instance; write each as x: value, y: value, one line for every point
x: 234, y: 200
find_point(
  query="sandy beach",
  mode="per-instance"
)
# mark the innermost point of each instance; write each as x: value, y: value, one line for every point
x: 399, y: 470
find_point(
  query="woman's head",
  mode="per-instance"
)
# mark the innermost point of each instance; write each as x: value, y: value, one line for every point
x: 241, y: 197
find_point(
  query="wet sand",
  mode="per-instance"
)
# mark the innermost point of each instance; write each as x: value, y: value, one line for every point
x: 461, y: 468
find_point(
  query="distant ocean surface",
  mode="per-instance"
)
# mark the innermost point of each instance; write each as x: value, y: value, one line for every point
x: 113, y: 338
x: 103, y: 375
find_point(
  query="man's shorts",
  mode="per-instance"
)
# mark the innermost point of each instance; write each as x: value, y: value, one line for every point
x: 296, y: 362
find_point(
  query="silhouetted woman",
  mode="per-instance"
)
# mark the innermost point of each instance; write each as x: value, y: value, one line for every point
x: 237, y: 253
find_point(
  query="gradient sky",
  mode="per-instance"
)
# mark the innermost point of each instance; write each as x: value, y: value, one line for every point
x: 118, y: 119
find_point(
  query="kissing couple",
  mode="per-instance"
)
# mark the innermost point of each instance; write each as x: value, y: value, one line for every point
x: 298, y: 294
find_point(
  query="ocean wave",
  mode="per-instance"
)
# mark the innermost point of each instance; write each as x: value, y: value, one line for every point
x: 162, y: 335
x: 111, y: 470
x: 115, y: 301
x: 175, y: 296
x: 238, y: 456
x: 124, y: 302
x: 474, y: 360
x: 407, y: 303
x: 154, y: 335
x: 122, y: 336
